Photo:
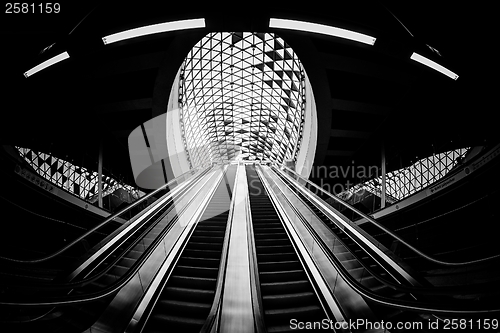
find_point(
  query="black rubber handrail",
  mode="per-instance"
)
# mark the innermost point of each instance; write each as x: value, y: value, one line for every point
x: 258, y: 310
x: 105, y: 222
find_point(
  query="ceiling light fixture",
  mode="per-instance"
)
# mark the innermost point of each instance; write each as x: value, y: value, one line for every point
x: 321, y: 29
x: 154, y: 29
x: 434, y: 65
x: 47, y: 63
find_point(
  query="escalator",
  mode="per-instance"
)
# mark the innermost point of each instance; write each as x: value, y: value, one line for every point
x: 362, y: 266
x: 350, y: 253
x: 369, y: 271
x: 287, y: 293
x: 187, y: 296
x: 96, y: 275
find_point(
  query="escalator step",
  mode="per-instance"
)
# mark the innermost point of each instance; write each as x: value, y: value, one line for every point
x: 209, y: 233
x: 272, y: 266
x: 288, y: 300
x: 208, y: 224
x: 269, y: 226
x: 199, y: 253
x: 193, y: 281
x: 271, y: 235
x: 285, y: 287
x: 351, y: 263
x: 189, y: 294
x: 207, y: 239
x: 287, y: 256
x: 310, y: 311
x: 282, y: 276
x: 203, y: 245
x: 161, y: 320
x: 199, y: 262
x: 126, y: 261
x: 276, y: 227
x: 197, y: 309
x: 118, y: 270
x: 274, y: 249
x: 276, y: 242
x: 196, y: 271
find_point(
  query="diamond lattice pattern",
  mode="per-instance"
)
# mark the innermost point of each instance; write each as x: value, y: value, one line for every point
x: 242, y: 95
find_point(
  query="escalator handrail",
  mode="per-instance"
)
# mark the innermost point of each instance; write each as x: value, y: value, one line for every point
x: 380, y: 226
x: 258, y: 311
x: 106, y: 291
x: 105, y: 222
x: 428, y: 307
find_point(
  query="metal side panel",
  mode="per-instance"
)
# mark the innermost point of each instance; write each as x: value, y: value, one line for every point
x: 129, y: 304
x: 343, y: 301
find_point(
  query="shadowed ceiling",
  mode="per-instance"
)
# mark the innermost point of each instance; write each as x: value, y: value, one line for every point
x: 366, y: 96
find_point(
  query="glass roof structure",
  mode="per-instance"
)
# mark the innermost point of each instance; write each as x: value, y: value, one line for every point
x: 406, y: 181
x: 242, y: 96
x: 77, y: 180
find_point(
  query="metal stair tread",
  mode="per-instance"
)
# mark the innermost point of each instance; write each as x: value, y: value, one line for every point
x: 198, y: 267
x: 172, y: 302
x: 179, y: 319
x: 193, y: 278
x: 283, y: 272
x: 291, y: 295
x: 281, y: 283
x: 292, y: 310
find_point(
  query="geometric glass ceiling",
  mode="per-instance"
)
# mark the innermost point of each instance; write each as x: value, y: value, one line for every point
x: 406, y: 181
x: 77, y: 180
x: 241, y: 95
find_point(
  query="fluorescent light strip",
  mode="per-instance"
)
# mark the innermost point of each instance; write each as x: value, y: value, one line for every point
x: 321, y: 29
x: 423, y: 60
x: 47, y: 63
x: 154, y: 29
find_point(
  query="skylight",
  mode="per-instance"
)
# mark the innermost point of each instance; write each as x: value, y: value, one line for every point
x: 242, y: 96
x: 404, y: 182
x: 74, y: 179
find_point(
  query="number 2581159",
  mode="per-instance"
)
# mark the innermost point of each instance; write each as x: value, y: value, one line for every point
x: 32, y: 8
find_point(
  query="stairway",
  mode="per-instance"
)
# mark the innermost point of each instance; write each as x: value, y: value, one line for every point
x: 285, y: 289
x: 186, y: 299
